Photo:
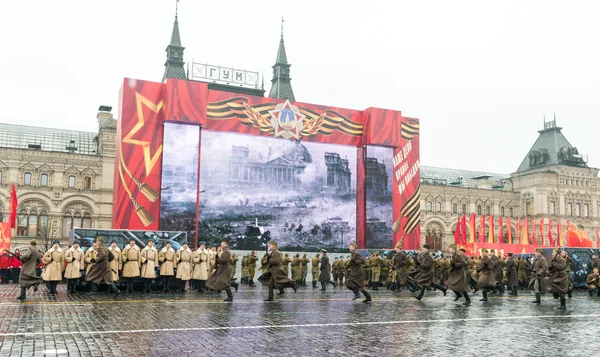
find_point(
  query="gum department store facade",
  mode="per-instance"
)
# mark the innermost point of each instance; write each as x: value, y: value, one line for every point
x: 64, y: 178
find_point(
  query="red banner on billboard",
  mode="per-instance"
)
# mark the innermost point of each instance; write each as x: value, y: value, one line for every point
x: 5, y: 236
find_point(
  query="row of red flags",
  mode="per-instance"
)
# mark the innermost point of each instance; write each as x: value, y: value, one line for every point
x: 465, y: 231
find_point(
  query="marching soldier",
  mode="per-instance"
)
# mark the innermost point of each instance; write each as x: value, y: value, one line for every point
x: 593, y: 282
x: 568, y: 260
x: 325, y: 275
x: 149, y: 264
x: 342, y: 270
x: 424, y: 271
x: 334, y: 269
x: 304, y: 263
x: 399, y: 264
x: 376, y: 262
x: 315, y: 269
x: 131, y: 258
x: 166, y: 258
x: 100, y: 271
x: 74, y: 260
x: 221, y: 278
x: 115, y: 264
x: 286, y: 264
x: 297, y: 269
x: 184, y: 265
x: 200, y: 267
x: 367, y: 270
x: 30, y: 257
x: 485, y: 271
x: 497, y: 272
x: 53, y: 270
x: 90, y: 255
x: 522, y: 272
x: 512, y: 277
x: 557, y: 281
x: 540, y: 269
x: 251, y: 264
x: 457, y: 279
x: 275, y: 277
x: 356, y: 278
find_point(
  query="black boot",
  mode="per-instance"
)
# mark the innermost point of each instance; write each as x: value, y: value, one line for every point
x: 322, y: 286
x: 484, y: 296
x: 54, y: 286
x: 148, y: 284
x: 458, y: 296
x: 570, y: 293
x: 441, y: 288
x: 23, y: 294
x: 202, y: 286
x: 356, y: 294
x: 515, y: 291
x: 251, y: 283
x: 130, y: 285
x: 281, y: 292
x: 165, y: 284
x: 421, y: 293
x: 112, y: 288
x: 367, y: 296
x: 314, y: 284
x: 563, y: 302
x: 270, y: 298
x: 229, y: 296
x: 591, y: 293
x: 293, y: 286
x: 467, y: 299
x: 538, y: 298
x: 183, y: 282
x: 94, y: 290
x: 235, y: 286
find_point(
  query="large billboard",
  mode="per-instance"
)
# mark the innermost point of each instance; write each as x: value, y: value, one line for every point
x: 217, y: 164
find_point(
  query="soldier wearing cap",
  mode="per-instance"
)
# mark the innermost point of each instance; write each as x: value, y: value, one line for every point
x: 90, y: 257
x: 115, y: 265
x: 221, y: 278
x: 54, y: 266
x: 356, y: 276
x: 512, y: 276
x: 200, y: 267
x: 375, y: 263
x: 399, y: 264
x: 485, y: 270
x: 100, y: 271
x: 325, y: 274
x: 275, y: 277
x: 314, y: 262
x: 251, y: 267
x: 30, y: 257
x: 149, y: 264
x: 304, y: 261
x: 286, y: 264
x: 540, y: 269
x: 131, y: 258
x: 498, y: 272
x: 184, y: 265
x: 74, y: 260
x: 593, y: 282
x: 457, y: 279
x: 557, y: 282
x: 568, y: 260
x: 166, y: 259
x: 425, y: 272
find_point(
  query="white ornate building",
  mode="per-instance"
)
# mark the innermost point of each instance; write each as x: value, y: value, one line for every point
x: 552, y: 182
x: 64, y: 178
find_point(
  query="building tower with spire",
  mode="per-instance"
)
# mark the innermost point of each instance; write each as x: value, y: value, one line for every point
x: 174, y: 65
x: 282, y: 87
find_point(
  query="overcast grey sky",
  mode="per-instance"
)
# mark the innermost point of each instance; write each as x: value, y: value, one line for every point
x: 479, y: 75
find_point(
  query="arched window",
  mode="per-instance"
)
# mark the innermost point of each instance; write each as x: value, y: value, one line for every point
x: 27, y: 179
x: 510, y: 211
x: 0, y: 176
x: 67, y: 224
x: 77, y: 220
x: 438, y: 207
x: 429, y: 206
x: 71, y: 181
x: 502, y: 211
x: 44, y: 180
x: 87, y: 221
x: 479, y: 209
x: 32, y: 224
x: 464, y: 209
x: 43, y: 222
x: 487, y: 210
x: 87, y: 182
x: 22, y: 227
x: 455, y: 208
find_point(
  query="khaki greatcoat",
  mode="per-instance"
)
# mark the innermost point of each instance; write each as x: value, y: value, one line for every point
x: 74, y: 259
x: 200, y: 264
x: 55, y: 265
x: 116, y: 264
x: 131, y: 258
x: 166, y: 258
x: 149, y: 262
x: 184, y: 265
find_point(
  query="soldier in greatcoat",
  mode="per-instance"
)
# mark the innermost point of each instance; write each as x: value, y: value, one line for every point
x: 200, y: 267
x: 485, y: 272
x: 131, y: 258
x: 512, y: 274
x: 54, y: 266
x: 297, y: 269
x: 498, y: 271
x: 457, y: 278
x: 399, y: 264
x: 540, y: 269
x: 31, y: 258
x: 116, y: 264
x: 325, y: 275
x: 166, y: 259
x: 221, y: 278
x: 184, y: 265
x: 557, y: 281
x: 251, y: 266
x: 74, y: 259
x: 356, y: 276
x: 275, y: 277
x: 101, y: 270
x: 149, y: 263
x: 314, y: 262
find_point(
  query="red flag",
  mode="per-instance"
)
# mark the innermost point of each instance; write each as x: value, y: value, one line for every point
x: 457, y: 232
x: 525, y: 233
x: 4, y: 236
x: 533, y: 240
x: 491, y: 229
x: 471, y: 228
x: 597, y: 238
x: 542, y: 231
x: 550, y: 238
x: 13, y: 203
x: 482, y: 229
x: 519, y: 230
x: 463, y: 229
x: 501, y: 236
x: 561, y: 241
x: 509, y: 230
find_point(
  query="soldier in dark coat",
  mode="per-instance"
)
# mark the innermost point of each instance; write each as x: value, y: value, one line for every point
x: 356, y: 276
x: 557, y: 282
x: 325, y: 276
x: 399, y: 264
x: 275, y: 277
x: 425, y: 272
x: 512, y: 275
x: 540, y: 268
x: 31, y: 258
x: 498, y: 272
x: 221, y: 278
x: 457, y: 280
x: 101, y: 269
x: 485, y: 269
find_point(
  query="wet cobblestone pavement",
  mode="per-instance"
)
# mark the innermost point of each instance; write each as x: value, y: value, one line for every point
x: 306, y: 323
